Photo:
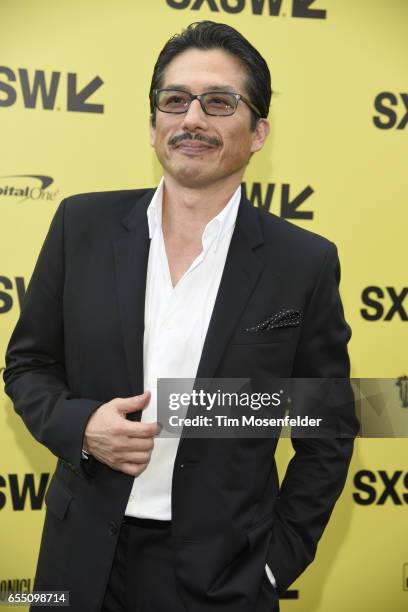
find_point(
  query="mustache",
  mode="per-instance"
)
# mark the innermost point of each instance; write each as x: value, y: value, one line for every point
x: 215, y: 142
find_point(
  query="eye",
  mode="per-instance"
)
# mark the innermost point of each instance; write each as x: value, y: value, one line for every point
x: 173, y: 99
x: 219, y: 101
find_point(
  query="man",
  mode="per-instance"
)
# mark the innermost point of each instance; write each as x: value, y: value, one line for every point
x: 186, y: 280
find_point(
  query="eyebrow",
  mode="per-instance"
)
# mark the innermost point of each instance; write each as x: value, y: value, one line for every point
x: 205, y: 87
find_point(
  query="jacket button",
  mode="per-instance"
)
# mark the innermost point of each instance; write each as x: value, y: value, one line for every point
x: 113, y: 528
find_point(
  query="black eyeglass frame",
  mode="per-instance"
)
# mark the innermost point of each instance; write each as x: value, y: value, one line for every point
x: 198, y: 97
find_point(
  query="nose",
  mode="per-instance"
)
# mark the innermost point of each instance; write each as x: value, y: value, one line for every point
x: 195, y: 117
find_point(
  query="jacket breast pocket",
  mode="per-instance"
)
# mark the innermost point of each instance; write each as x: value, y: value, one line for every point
x: 279, y: 334
x: 258, y: 359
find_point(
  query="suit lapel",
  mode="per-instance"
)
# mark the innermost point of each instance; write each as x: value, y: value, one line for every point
x: 241, y: 272
x: 131, y: 258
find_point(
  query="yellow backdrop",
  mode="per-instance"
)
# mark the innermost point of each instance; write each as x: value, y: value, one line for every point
x: 74, y: 80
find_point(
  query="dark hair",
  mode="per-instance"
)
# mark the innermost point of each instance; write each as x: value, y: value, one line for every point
x: 210, y: 35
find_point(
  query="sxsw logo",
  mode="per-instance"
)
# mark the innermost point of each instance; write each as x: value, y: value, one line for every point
x: 288, y: 203
x: 380, y: 488
x: 273, y: 8
x: 39, y: 89
x: 392, y: 109
x: 22, y: 491
x: 6, y: 297
x: 384, y: 304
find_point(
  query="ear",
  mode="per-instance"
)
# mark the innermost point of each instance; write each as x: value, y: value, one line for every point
x: 259, y: 135
x: 152, y: 128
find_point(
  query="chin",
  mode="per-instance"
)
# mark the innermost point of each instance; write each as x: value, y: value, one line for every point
x: 190, y: 176
x: 191, y: 180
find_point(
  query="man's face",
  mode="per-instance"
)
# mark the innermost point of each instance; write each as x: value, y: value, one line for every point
x: 215, y: 147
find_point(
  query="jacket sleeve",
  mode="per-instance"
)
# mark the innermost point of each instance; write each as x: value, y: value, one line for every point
x: 317, y: 472
x: 35, y: 377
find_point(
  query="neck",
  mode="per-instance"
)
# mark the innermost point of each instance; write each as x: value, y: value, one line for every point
x: 187, y: 210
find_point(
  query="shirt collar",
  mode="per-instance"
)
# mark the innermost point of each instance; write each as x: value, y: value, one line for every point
x: 215, y: 229
x: 154, y: 210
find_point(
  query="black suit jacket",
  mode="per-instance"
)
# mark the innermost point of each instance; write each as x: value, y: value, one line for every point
x: 79, y: 343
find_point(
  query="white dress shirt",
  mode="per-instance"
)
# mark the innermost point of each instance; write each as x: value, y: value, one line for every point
x: 176, y: 323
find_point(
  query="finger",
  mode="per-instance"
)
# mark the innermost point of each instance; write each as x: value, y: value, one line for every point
x: 132, y: 445
x: 136, y: 457
x: 132, y: 404
x: 147, y: 429
x: 132, y: 469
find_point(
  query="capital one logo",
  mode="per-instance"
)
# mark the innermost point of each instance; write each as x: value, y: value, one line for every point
x: 392, y: 110
x: 275, y: 8
x: 41, y: 89
x: 31, y: 187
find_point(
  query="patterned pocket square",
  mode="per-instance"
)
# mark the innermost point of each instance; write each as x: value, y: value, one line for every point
x: 286, y: 317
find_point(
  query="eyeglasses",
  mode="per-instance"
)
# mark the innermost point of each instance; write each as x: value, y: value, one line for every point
x: 219, y: 103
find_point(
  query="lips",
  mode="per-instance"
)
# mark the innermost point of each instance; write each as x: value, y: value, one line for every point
x: 194, y: 147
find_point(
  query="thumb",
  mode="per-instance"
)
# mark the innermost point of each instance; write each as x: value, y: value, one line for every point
x: 132, y: 404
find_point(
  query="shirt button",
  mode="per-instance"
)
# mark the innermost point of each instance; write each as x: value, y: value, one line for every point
x: 113, y: 528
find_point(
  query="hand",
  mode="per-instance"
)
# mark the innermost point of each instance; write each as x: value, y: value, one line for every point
x: 121, y: 444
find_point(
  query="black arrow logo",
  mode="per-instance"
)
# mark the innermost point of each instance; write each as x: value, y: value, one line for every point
x: 289, y: 208
x: 77, y: 99
x: 301, y: 8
